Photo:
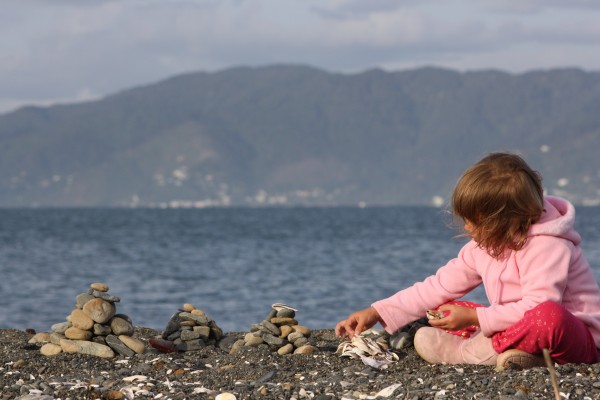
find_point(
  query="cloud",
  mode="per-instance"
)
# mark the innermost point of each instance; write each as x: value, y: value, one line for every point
x: 537, y: 6
x: 343, y: 9
x: 58, y: 49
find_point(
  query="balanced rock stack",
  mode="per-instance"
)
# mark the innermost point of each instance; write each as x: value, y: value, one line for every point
x: 188, y: 330
x: 93, y: 327
x: 280, y: 331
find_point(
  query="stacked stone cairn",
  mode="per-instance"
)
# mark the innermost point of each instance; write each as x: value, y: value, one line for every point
x: 189, y: 329
x: 93, y: 328
x: 280, y: 331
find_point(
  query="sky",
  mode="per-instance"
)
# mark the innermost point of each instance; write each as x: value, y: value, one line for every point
x: 64, y: 51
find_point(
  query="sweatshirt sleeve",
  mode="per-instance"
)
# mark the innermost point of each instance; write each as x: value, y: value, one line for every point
x: 543, y: 270
x: 450, y: 282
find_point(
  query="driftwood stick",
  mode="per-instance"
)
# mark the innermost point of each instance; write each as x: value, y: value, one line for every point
x: 553, y: 379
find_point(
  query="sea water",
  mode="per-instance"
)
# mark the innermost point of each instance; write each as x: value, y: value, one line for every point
x: 231, y: 262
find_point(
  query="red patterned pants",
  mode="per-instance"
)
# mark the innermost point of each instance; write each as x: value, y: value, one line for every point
x: 550, y: 326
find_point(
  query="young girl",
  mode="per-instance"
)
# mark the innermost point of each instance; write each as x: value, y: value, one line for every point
x: 542, y: 291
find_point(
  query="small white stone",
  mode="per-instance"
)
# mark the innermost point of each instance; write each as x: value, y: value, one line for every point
x: 225, y: 396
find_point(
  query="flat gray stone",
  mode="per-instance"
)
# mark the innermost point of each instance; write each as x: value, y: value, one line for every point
x: 189, y: 335
x: 203, y: 332
x: 60, y: 327
x: 86, y: 347
x: 273, y: 340
x: 197, y: 318
x: 271, y: 328
x: 191, y: 345
x: 117, y: 345
x: 104, y: 296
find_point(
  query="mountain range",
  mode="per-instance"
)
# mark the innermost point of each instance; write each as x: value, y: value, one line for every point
x: 298, y: 135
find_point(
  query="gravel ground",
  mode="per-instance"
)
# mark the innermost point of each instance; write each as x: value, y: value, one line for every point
x: 258, y: 373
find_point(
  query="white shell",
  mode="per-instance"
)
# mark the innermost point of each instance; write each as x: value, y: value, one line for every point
x: 434, y: 314
x: 368, y: 350
x: 281, y: 306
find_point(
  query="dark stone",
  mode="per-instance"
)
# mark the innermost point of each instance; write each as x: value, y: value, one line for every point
x: 172, y: 326
x: 286, y: 313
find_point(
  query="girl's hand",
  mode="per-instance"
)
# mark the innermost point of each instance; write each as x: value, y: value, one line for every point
x: 456, y: 317
x: 357, y: 322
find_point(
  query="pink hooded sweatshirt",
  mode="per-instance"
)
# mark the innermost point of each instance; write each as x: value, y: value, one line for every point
x: 550, y: 266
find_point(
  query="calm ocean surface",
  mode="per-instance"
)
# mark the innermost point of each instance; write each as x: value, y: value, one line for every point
x: 232, y: 263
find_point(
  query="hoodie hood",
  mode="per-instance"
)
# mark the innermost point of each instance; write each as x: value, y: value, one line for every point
x: 558, y: 217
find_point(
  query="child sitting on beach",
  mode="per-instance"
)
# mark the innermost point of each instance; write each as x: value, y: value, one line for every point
x: 523, y: 248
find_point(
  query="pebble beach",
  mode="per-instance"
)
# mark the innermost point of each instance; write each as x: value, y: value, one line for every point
x: 97, y: 353
x: 259, y: 372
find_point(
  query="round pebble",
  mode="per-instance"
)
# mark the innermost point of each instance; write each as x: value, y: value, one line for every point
x: 252, y: 340
x: 188, y: 307
x: 285, y: 331
x: 286, y: 349
x: 301, y: 342
x: 50, y: 349
x: 225, y: 396
x: 78, y: 334
x: 302, y: 329
x: 308, y: 349
x: 237, y: 345
x: 99, y: 310
x: 101, y: 287
x: 114, y: 395
x: 292, y: 337
x: 40, y: 337
x: 101, y: 330
x: 120, y: 326
x: 81, y: 320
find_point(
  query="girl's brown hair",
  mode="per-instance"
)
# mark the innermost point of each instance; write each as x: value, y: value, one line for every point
x: 501, y: 197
